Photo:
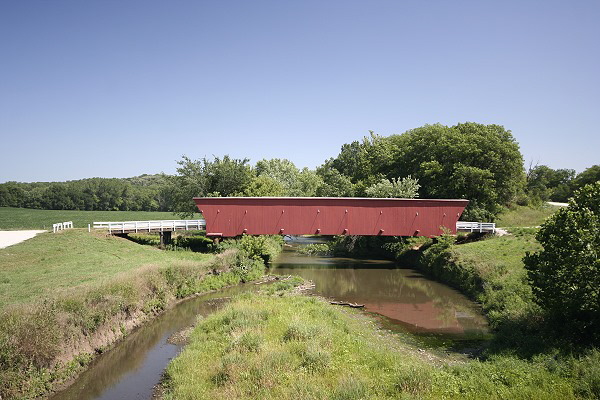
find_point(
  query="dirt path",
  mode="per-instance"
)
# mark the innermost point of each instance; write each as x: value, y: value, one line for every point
x: 8, y: 238
x: 554, y: 203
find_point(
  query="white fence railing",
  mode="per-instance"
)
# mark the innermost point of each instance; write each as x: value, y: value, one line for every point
x: 151, y: 226
x: 62, y: 225
x: 476, y: 226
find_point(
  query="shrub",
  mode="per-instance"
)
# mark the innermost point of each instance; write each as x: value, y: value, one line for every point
x: 565, y: 275
x: 264, y: 248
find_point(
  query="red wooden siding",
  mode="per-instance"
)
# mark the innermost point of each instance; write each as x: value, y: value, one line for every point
x: 233, y: 216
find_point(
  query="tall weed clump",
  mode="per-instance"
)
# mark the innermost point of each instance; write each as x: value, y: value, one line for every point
x: 263, y: 247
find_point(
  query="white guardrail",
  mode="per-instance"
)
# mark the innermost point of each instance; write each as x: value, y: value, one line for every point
x: 62, y: 225
x: 149, y: 226
x: 476, y: 226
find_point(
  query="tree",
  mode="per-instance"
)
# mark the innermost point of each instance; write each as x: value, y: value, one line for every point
x: 590, y: 175
x: 222, y: 177
x: 294, y: 182
x: 407, y: 188
x: 335, y: 184
x: 281, y: 170
x: 565, y: 275
x: 545, y: 183
x: 363, y: 161
x: 11, y: 194
x: 478, y: 162
x: 265, y: 186
x: 227, y: 176
x: 309, y: 183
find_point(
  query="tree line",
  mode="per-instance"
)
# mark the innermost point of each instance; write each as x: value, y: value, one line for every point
x: 482, y: 163
x: 143, y: 193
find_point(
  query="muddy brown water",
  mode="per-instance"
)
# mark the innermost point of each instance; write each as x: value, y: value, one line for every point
x: 404, y: 297
x: 405, y: 300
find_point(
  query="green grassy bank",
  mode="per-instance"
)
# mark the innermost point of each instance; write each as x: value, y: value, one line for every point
x: 524, y: 216
x: 61, y: 262
x: 66, y: 296
x: 489, y: 271
x: 296, y: 347
x: 26, y: 218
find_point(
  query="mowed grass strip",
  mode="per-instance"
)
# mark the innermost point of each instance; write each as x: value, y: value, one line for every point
x: 504, y: 252
x: 52, y: 262
x: 523, y: 216
x: 26, y: 218
x: 296, y: 347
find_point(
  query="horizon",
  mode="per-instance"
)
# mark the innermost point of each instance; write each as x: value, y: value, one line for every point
x: 120, y: 90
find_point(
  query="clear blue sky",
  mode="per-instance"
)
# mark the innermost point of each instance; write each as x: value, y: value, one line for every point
x: 121, y: 88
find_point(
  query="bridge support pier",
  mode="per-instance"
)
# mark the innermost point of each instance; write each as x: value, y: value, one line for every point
x: 165, y: 238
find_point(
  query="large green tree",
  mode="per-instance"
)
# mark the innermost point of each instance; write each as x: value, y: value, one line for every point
x: 565, y: 275
x: 478, y: 162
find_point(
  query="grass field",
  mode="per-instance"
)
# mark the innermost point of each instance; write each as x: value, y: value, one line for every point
x: 522, y: 216
x: 25, y: 218
x: 64, y: 297
x: 51, y: 262
x: 296, y: 347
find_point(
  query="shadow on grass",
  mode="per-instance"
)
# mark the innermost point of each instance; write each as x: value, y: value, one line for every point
x: 190, y: 242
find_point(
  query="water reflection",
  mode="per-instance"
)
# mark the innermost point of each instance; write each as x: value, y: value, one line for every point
x: 408, y: 299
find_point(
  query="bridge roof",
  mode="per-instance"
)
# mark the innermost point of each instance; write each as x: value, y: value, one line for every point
x: 317, y: 199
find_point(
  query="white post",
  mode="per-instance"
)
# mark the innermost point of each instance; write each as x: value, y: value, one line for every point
x: 89, y: 228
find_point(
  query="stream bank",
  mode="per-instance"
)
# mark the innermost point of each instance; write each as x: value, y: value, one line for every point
x: 45, y: 343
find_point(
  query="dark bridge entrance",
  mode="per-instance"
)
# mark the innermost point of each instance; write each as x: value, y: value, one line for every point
x: 233, y: 216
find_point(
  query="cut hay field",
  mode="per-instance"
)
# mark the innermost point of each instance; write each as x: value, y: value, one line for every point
x: 50, y: 263
x: 26, y: 218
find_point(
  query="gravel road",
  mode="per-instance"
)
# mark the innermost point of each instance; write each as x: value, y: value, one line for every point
x: 8, y: 238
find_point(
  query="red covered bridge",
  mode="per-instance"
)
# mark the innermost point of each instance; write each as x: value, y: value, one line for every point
x: 234, y: 216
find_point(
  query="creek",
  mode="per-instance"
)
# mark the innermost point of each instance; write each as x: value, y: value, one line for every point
x: 402, y: 299
x: 405, y: 300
